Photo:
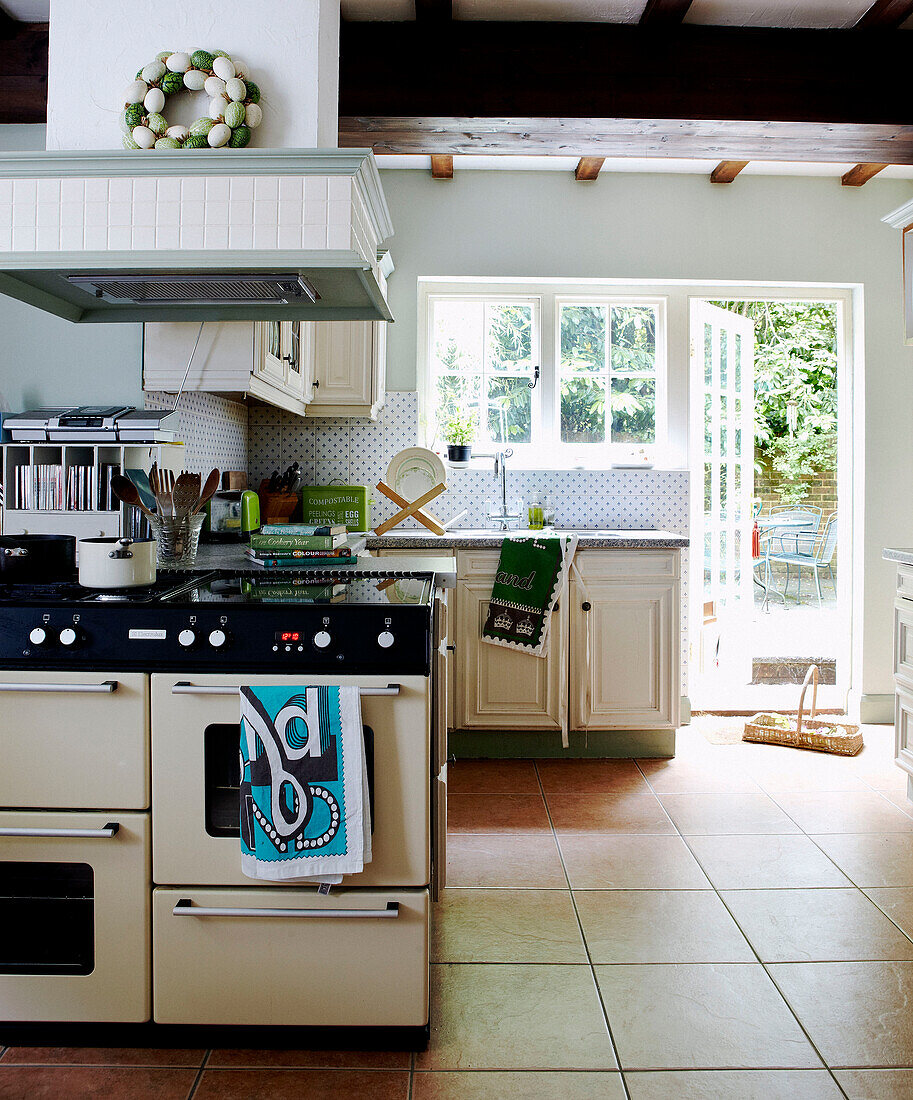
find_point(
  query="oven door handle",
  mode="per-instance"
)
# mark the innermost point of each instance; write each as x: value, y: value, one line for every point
x: 184, y: 687
x: 186, y: 908
x: 107, y: 687
x: 104, y: 833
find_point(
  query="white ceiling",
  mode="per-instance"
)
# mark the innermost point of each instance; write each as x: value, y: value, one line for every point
x: 747, y: 13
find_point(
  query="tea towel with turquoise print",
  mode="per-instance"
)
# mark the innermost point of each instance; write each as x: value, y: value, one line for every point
x: 532, y: 574
x: 305, y: 810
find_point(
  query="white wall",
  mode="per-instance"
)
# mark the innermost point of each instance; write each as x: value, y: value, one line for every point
x: 759, y: 229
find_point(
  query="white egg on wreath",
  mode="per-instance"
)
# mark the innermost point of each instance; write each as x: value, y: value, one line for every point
x: 234, y: 110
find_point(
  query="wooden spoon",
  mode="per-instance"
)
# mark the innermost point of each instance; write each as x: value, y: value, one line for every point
x: 185, y: 494
x: 208, y: 491
x: 125, y: 489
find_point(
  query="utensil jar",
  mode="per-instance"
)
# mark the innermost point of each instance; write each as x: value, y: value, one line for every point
x: 177, y: 539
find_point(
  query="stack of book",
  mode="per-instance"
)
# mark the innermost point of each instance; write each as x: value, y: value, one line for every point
x: 291, y: 545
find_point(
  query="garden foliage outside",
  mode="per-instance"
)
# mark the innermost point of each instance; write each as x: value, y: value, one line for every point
x: 795, y: 362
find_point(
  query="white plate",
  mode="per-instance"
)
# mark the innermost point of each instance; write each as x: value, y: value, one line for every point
x: 414, y: 471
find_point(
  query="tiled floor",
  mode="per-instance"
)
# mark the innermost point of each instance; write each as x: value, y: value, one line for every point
x: 735, y: 923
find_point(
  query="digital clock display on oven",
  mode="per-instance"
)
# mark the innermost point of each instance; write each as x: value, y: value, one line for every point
x: 288, y: 636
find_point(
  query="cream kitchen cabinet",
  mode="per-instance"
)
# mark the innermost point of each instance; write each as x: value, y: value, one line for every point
x: 498, y: 688
x: 625, y: 641
x: 270, y: 360
x: 350, y: 367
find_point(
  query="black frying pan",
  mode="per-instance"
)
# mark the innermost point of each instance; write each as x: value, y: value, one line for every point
x: 37, y: 559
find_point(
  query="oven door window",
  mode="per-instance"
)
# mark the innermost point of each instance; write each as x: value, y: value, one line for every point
x: 222, y: 798
x: 47, y: 911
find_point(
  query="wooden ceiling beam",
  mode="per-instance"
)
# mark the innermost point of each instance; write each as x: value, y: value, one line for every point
x: 23, y: 72
x: 861, y: 174
x: 441, y: 166
x: 727, y: 170
x: 588, y: 169
x: 717, y: 140
x: 664, y: 12
x: 884, y: 15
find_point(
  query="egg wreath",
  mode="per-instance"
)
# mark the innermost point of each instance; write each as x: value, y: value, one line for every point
x: 233, y: 103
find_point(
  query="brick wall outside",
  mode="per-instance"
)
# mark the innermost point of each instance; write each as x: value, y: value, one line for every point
x: 821, y: 490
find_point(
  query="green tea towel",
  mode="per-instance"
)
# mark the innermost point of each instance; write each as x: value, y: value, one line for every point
x: 532, y: 574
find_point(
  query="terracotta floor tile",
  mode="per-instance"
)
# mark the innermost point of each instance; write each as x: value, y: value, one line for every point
x: 623, y: 862
x: 765, y: 861
x: 703, y: 814
x: 492, y: 776
x: 819, y: 773
x: 659, y: 926
x: 291, y: 1084
x: 515, y: 1017
x: 432, y: 1085
x: 93, y: 1083
x: 689, y: 776
x: 506, y: 926
x: 497, y: 813
x: 702, y: 1017
x: 722, y: 1084
x: 816, y: 925
x: 102, y: 1056
x: 870, y: 859
x: 876, y: 1084
x: 897, y: 903
x: 845, y: 812
x: 857, y: 1013
x: 309, y: 1059
x: 484, y: 860
x: 608, y: 813
x: 590, y: 776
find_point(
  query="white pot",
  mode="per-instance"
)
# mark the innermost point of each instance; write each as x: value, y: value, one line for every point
x: 116, y: 563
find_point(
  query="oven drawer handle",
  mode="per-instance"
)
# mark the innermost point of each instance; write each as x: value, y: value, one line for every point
x: 186, y: 908
x: 105, y: 688
x: 106, y: 831
x: 184, y: 687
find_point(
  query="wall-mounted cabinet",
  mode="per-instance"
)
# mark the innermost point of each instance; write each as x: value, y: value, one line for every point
x: 314, y: 368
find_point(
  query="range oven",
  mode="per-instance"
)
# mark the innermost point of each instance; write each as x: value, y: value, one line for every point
x: 119, y: 805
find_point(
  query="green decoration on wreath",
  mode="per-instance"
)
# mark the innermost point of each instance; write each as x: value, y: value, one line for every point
x: 234, y: 109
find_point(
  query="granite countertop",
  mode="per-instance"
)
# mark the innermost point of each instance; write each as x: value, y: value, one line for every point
x: 903, y: 554
x: 402, y: 539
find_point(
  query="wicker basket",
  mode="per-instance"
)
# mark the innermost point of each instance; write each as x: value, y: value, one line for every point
x: 820, y: 734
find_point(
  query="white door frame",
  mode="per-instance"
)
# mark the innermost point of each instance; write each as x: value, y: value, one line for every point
x: 850, y: 458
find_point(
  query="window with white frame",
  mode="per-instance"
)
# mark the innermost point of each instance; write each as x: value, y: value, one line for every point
x: 563, y: 379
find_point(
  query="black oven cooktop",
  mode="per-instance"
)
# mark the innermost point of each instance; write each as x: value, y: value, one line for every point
x: 317, y: 622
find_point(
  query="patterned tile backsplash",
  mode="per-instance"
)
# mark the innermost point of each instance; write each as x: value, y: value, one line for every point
x: 214, y: 430
x: 353, y: 451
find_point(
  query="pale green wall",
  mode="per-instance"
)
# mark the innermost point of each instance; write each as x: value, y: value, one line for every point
x: 760, y: 228
x: 47, y: 361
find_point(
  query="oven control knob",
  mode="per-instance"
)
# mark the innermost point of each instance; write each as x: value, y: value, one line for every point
x: 218, y: 638
x: 187, y: 638
x: 322, y: 639
x: 385, y: 639
x: 68, y: 636
x: 38, y: 636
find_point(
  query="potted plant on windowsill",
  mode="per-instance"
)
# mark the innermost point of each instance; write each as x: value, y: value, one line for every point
x: 458, y: 431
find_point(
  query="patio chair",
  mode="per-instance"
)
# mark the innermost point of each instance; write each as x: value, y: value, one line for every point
x: 808, y: 556
x: 788, y: 536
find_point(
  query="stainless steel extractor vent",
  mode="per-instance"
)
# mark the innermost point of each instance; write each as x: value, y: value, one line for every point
x: 169, y: 289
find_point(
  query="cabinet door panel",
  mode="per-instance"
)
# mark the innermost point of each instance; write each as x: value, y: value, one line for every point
x: 344, y: 354
x: 624, y: 656
x: 500, y: 688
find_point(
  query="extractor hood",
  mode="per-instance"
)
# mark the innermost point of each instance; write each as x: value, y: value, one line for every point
x: 229, y: 235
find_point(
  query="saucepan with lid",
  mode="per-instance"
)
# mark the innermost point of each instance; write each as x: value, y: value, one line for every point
x: 116, y: 562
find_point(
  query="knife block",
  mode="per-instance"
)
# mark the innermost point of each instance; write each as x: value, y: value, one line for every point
x: 277, y: 507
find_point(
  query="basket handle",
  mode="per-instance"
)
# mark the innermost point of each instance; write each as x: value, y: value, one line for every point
x: 810, y: 677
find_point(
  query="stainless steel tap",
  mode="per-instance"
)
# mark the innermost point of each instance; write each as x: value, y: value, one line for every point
x: 503, y: 517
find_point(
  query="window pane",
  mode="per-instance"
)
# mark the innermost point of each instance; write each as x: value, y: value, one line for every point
x: 457, y: 395
x: 582, y: 411
x: 583, y: 333
x: 510, y: 338
x: 708, y: 355
x: 633, y: 338
x: 633, y: 410
x: 509, y: 410
x: 724, y: 358
x: 458, y: 330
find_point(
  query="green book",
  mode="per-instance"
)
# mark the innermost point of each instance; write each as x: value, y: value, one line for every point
x: 261, y: 541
